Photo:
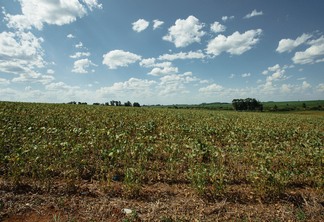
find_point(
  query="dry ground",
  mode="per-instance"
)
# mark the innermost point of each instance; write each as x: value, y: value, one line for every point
x: 90, y: 201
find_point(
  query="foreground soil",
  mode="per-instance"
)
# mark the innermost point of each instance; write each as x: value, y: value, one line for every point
x: 89, y: 201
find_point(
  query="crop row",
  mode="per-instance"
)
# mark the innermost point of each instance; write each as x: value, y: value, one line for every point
x: 135, y: 146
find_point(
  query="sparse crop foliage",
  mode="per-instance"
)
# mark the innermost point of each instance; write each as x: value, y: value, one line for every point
x: 210, y: 150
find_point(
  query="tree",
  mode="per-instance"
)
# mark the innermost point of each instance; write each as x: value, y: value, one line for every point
x: 136, y: 104
x: 127, y: 103
x: 248, y: 104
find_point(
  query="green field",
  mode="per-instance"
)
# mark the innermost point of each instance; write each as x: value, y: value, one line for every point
x: 313, y: 105
x: 251, y: 162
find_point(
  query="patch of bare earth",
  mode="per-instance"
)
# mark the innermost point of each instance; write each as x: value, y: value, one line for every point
x: 91, y: 201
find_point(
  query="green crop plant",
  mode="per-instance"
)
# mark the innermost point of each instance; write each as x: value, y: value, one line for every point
x: 210, y: 150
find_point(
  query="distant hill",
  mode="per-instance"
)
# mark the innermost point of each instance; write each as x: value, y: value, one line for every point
x: 271, y: 106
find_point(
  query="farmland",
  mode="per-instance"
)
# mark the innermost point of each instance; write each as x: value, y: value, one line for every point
x: 82, y: 163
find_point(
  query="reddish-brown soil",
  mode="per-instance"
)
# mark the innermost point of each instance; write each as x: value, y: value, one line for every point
x: 90, y: 201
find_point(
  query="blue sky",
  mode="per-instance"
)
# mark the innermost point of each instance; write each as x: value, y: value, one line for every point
x: 161, y: 52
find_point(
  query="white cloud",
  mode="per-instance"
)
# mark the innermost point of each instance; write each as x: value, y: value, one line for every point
x: 279, y: 74
x: 286, y: 88
x: 164, y: 68
x: 50, y: 71
x: 231, y: 76
x: 80, y: 54
x: 289, y: 88
x: 175, y: 84
x: 79, y: 45
x: 119, y: 58
x: 33, y: 77
x: 136, y: 88
x: 217, y: 27
x: 253, y: 14
x: 274, y: 68
x: 183, y: 55
x: 313, y: 54
x: 35, y: 13
x: 320, y: 88
x: 157, y: 23
x: 70, y: 36
x: 159, y: 69
x: 276, y: 72
x: 81, y: 66
x: 306, y: 85
x: 148, y: 63
x: 92, y: 4
x: 60, y: 86
x: 265, y: 72
x: 244, y: 75
x: 235, y: 44
x: 21, y: 46
x: 213, y: 88
x: 226, y: 18
x: 185, y: 32
x: 140, y: 25
x: 287, y: 45
x: 20, y: 53
x: 4, y: 81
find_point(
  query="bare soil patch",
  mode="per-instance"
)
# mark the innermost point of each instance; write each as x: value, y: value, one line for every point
x: 90, y: 201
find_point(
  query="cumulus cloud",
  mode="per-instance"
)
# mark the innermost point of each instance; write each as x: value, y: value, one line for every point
x: 313, y: 54
x: 287, y: 45
x: 70, y: 36
x: 60, y: 86
x: 217, y: 27
x: 80, y: 54
x: 244, y: 75
x: 20, y: 52
x: 253, y: 14
x: 290, y: 88
x: 213, y: 88
x: 81, y: 65
x: 274, y: 68
x: 140, y: 25
x: 159, y: 69
x: 148, y: 63
x: 157, y: 23
x: 35, y: 13
x: 119, y: 58
x: 185, y: 32
x: 286, y: 88
x: 175, y: 83
x: 33, y: 77
x: 183, y: 55
x: 235, y: 44
x: 320, y: 88
x: 275, y: 73
x: 50, y: 71
x: 306, y: 85
x: 79, y: 45
x: 4, y: 81
x: 226, y: 18
x: 91, y: 4
x: 164, y: 68
x: 134, y: 87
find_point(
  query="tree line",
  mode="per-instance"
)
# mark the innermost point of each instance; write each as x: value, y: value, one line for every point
x: 248, y: 104
x: 111, y: 103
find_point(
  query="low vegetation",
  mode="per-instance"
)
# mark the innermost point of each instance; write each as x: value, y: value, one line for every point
x: 236, y: 157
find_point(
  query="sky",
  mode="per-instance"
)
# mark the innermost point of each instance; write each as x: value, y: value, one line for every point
x: 161, y: 51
